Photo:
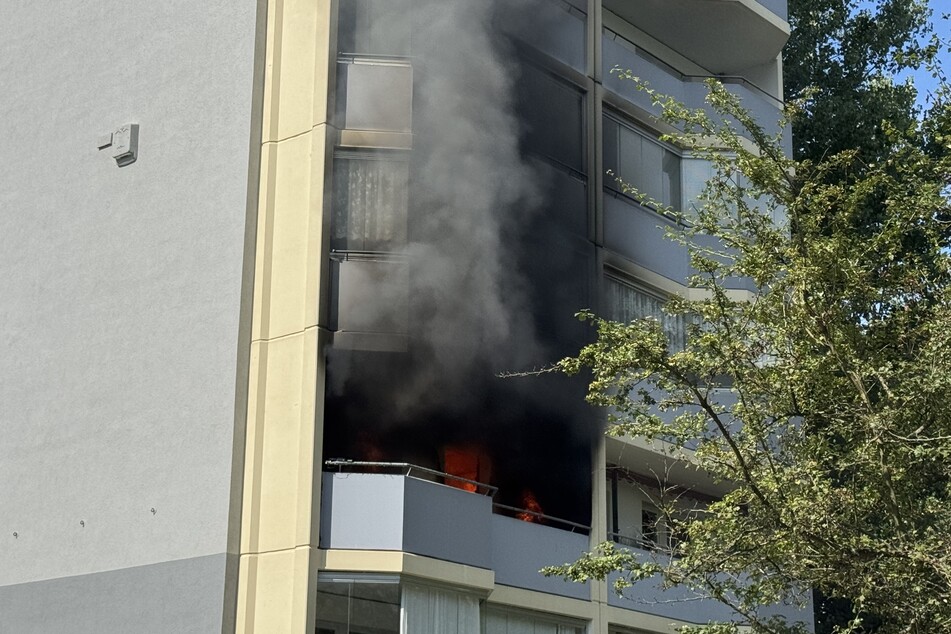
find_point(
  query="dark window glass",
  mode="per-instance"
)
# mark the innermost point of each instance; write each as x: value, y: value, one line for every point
x: 637, y: 160
x: 553, y: 114
x: 649, y: 529
x: 358, y: 607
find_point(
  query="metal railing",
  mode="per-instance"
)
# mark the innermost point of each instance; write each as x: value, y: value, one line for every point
x: 633, y: 542
x: 341, y: 465
x: 409, y: 470
x: 683, y: 77
x: 540, y: 518
x: 353, y: 255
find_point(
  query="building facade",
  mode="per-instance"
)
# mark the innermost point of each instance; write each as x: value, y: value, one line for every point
x: 267, y: 268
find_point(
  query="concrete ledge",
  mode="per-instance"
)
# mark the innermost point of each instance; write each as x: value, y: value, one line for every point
x: 395, y: 562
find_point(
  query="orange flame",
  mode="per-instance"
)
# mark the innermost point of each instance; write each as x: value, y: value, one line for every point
x: 531, y: 505
x: 466, y: 461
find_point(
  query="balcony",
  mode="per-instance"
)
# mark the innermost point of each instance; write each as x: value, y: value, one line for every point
x: 724, y: 36
x: 369, y: 294
x: 687, y: 89
x: 404, y: 508
x: 412, y: 510
x: 689, y: 605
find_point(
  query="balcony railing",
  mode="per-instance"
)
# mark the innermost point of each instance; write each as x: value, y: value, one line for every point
x: 341, y: 465
x: 527, y: 515
x: 396, y: 506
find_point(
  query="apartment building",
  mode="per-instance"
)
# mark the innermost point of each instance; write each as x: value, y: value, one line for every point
x: 267, y: 270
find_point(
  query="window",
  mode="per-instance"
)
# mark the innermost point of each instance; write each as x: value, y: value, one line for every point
x: 507, y: 621
x: 626, y: 302
x: 382, y: 604
x: 552, y: 112
x: 369, y: 202
x: 430, y: 610
x: 358, y: 605
x: 650, y: 528
x: 644, y: 163
x: 374, y: 27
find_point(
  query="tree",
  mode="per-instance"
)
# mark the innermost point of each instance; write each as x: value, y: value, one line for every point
x: 840, y: 61
x: 823, y: 400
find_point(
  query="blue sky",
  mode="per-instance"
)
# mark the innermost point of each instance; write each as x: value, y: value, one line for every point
x: 923, y: 80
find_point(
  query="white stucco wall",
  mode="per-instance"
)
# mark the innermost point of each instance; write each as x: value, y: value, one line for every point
x: 120, y: 288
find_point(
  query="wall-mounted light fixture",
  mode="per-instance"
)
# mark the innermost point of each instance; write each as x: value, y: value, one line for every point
x: 124, y: 143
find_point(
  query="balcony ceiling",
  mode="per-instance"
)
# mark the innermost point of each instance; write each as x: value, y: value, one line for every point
x: 723, y: 36
x: 639, y: 456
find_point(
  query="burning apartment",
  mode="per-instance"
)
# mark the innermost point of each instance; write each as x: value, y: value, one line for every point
x: 267, y: 268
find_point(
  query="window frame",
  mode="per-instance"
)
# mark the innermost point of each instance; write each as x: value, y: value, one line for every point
x: 367, y: 154
x: 610, y: 274
x: 632, y: 534
x: 648, y: 135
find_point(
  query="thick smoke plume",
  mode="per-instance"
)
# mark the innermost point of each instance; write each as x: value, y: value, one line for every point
x: 473, y: 198
x: 477, y: 190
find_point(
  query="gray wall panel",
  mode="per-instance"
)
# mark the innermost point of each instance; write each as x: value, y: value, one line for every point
x: 447, y: 523
x: 362, y: 511
x: 177, y: 597
x: 638, y: 234
x: 685, y: 604
x: 521, y: 549
x: 120, y: 288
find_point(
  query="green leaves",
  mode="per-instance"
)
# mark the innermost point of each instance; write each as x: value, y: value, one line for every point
x: 823, y: 398
x: 839, y: 64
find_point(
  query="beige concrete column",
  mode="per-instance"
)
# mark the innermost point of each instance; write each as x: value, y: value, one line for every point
x: 599, y: 531
x: 281, y: 498
x: 599, y: 589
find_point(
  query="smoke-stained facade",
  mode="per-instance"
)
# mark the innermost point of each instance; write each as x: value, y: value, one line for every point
x: 443, y: 252
x: 291, y: 379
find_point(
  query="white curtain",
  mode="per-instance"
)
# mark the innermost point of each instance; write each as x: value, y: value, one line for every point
x: 505, y: 622
x: 370, y: 199
x: 628, y: 303
x: 428, y: 610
